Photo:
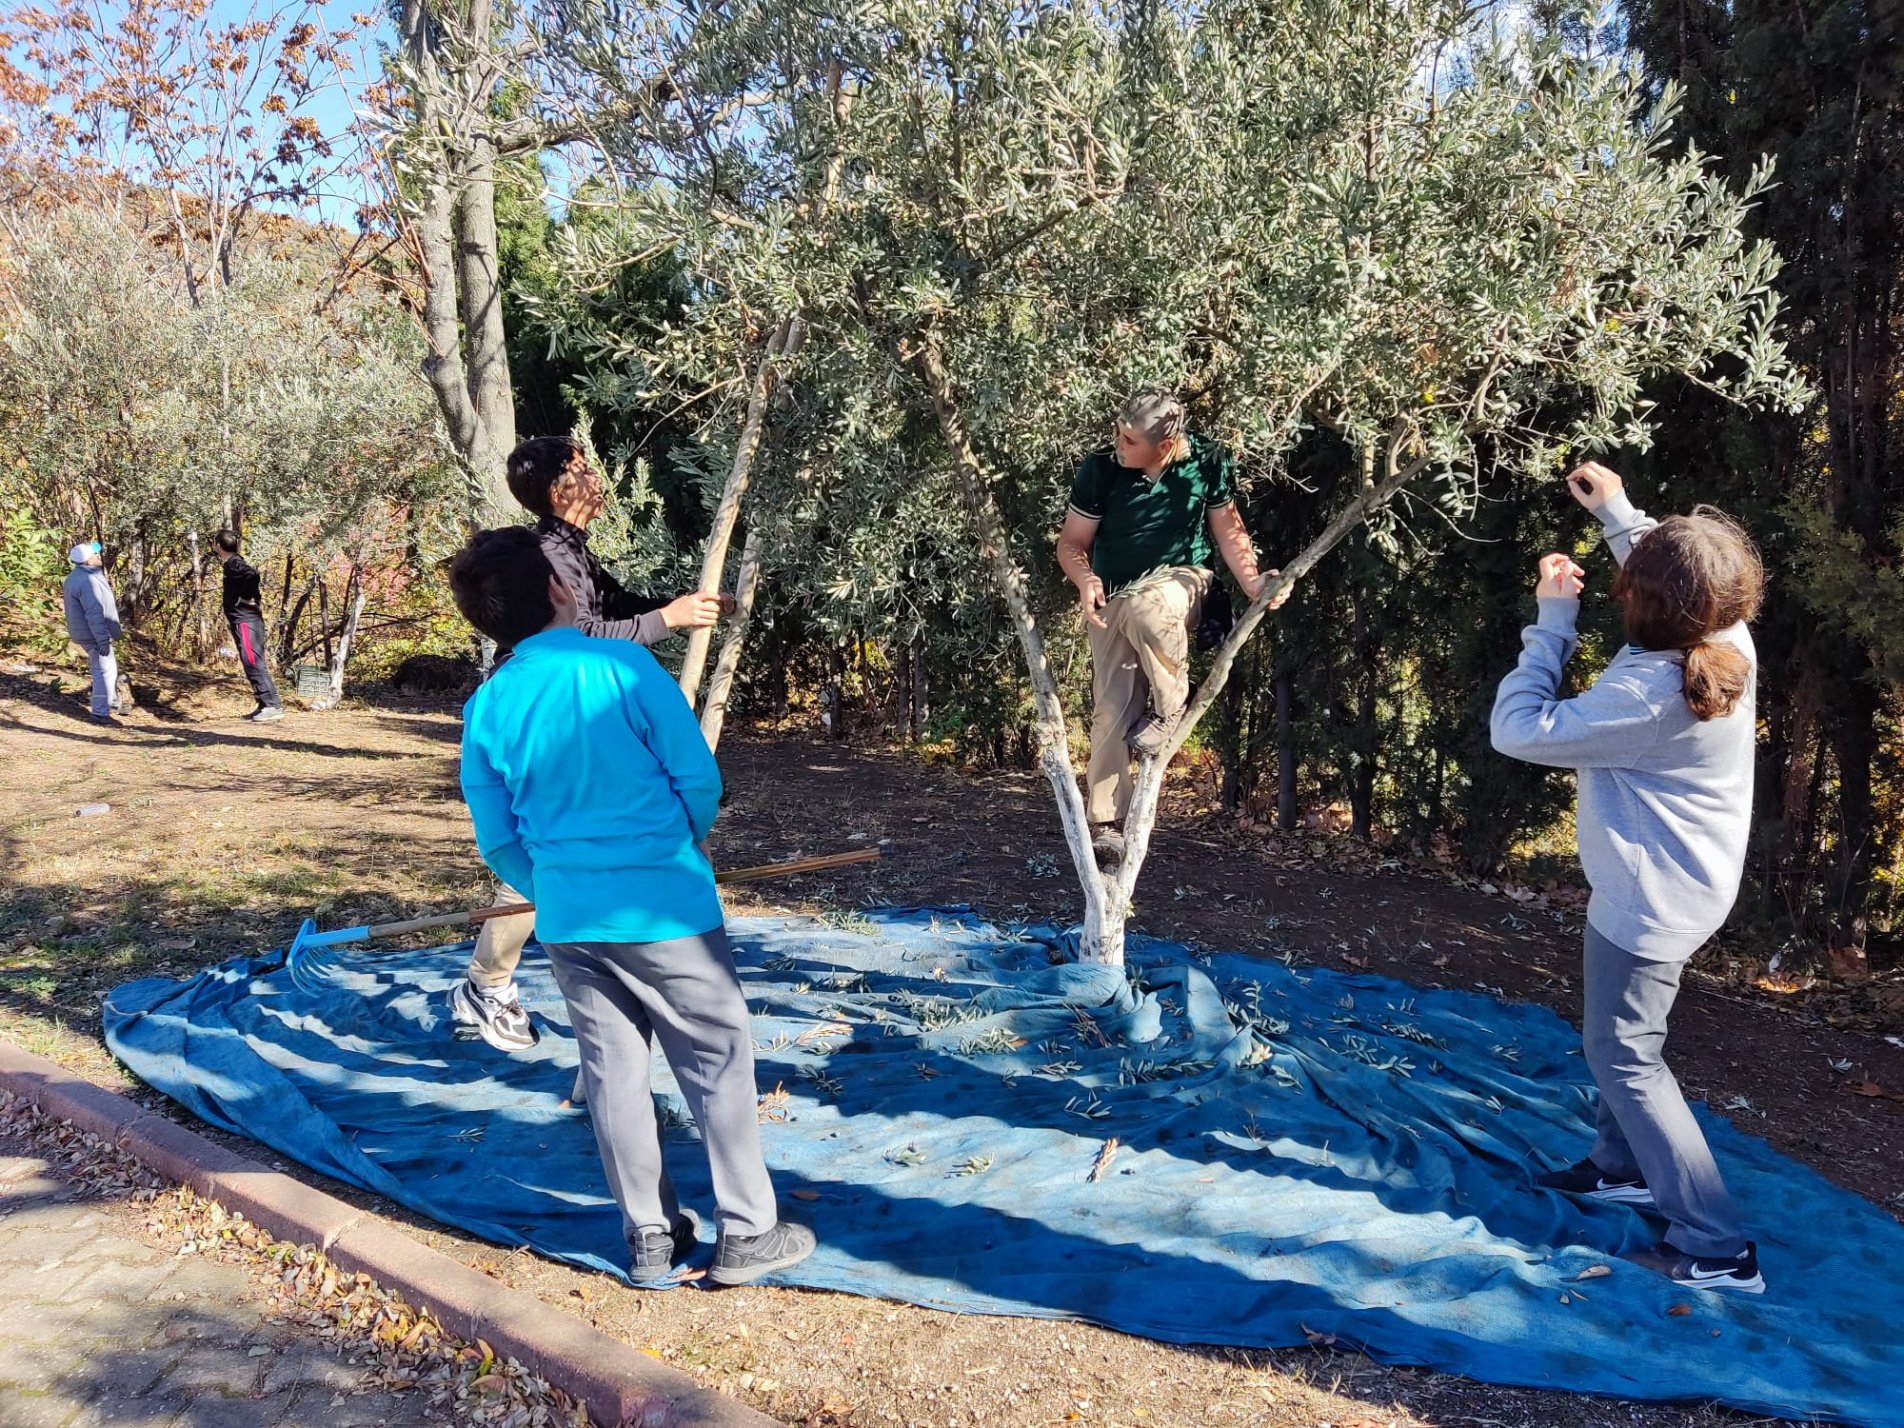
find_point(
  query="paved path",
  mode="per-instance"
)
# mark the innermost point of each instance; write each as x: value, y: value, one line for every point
x: 100, y: 1329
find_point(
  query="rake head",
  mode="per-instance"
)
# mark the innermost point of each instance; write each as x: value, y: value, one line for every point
x: 310, y: 958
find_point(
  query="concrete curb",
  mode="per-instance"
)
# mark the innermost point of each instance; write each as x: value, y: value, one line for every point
x: 619, y: 1385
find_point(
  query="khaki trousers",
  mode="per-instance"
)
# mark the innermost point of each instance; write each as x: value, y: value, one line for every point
x: 499, y: 943
x: 1140, y: 658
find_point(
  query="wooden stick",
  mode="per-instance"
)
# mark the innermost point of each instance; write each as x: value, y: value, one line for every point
x: 734, y: 875
x: 803, y: 865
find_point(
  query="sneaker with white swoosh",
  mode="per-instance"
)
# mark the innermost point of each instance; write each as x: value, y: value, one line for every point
x: 1740, y: 1275
x: 1591, y: 1182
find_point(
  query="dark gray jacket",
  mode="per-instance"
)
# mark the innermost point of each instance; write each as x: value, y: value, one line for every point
x: 603, y: 608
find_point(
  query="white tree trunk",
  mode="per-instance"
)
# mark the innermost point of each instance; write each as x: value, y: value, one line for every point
x: 479, y: 285
x: 714, y: 709
x: 1102, y: 936
x: 336, y: 691
x: 785, y: 339
x: 467, y: 363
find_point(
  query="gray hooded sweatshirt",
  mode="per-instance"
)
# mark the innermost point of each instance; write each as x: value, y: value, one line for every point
x: 1665, y: 798
x: 92, y: 615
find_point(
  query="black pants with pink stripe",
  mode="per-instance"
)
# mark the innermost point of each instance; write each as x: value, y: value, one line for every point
x: 247, y: 633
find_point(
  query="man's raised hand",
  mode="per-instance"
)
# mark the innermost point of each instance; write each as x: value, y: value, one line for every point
x: 1593, y: 485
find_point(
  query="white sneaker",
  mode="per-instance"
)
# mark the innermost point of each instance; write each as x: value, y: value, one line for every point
x: 494, y: 1014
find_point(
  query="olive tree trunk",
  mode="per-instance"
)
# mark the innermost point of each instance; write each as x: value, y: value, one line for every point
x: 714, y: 710
x: 785, y: 341
x: 1107, y: 896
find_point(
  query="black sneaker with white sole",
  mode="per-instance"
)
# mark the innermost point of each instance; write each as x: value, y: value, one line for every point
x: 658, y: 1253
x: 1590, y: 1182
x: 741, y: 1259
x: 494, y: 1014
x: 1740, y: 1274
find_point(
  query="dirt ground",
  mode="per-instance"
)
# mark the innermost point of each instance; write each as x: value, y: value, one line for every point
x: 223, y: 835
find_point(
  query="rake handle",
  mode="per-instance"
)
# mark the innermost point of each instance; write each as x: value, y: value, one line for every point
x: 442, y: 919
x: 803, y: 865
x: 736, y: 875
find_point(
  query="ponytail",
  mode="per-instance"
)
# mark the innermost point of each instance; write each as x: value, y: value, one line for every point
x: 1717, y: 673
x: 1688, y: 579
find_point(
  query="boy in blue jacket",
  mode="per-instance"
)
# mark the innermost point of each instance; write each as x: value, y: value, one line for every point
x: 592, y: 792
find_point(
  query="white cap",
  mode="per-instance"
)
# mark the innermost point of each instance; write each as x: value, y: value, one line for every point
x: 83, y: 552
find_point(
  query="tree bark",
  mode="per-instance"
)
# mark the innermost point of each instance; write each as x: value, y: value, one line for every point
x: 324, y: 615
x: 714, y: 710
x: 1102, y: 936
x: 1233, y: 746
x: 921, y: 708
x: 356, y: 598
x: 479, y: 283
x: 1362, y: 767
x: 198, y: 598
x: 1288, y: 813
x: 833, y: 695
x: 462, y: 292
x: 785, y: 339
x: 288, y: 624
x: 1854, y: 748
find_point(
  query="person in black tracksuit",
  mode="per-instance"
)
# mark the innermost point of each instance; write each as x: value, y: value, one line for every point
x: 246, y: 618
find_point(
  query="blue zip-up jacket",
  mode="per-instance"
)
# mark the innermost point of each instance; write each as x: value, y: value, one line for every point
x: 591, y: 788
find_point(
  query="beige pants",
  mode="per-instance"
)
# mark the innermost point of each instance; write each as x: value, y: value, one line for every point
x: 499, y: 943
x: 1141, y: 658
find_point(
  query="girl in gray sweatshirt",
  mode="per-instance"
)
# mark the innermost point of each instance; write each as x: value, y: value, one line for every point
x: 1662, y: 744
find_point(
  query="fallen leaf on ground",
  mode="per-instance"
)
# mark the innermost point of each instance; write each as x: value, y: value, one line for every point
x: 806, y: 1194
x: 1680, y: 1311
x: 1598, y: 1271
x: 1872, y: 1088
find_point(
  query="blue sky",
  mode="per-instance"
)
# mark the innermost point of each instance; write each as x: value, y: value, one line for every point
x: 334, y: 108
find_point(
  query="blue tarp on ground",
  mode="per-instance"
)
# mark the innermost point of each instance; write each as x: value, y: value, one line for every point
x: 1299, y: 1153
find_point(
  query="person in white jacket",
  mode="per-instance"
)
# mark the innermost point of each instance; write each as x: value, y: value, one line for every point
x: 92, y: 622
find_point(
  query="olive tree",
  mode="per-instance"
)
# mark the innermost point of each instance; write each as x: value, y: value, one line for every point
x: 1384, y: 221
x: 995, y: 218
x: 131, y: 412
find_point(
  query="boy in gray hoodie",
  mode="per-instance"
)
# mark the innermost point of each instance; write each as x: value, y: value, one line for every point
x: 1663, y: 746
x: 92, y: 623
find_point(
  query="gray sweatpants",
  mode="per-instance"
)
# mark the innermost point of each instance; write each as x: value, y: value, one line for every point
x: 684, y: 993
x: 1644, y: 1123
x: 105, y: 669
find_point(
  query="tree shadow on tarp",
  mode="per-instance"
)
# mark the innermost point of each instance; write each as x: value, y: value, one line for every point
x: 1297, y: 1152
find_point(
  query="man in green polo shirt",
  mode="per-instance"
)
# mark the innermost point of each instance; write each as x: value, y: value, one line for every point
x: 1144, y: 520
